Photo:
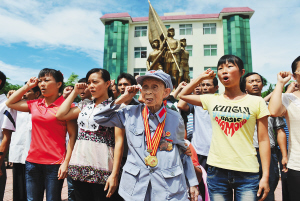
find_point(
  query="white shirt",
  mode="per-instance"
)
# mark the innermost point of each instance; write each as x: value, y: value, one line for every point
x: 7, y: 116
x: 20, y: 139
x: 292, y: 105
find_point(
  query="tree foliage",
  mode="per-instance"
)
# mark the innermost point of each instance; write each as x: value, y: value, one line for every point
x: 72, y: 80
x: 8, y: 86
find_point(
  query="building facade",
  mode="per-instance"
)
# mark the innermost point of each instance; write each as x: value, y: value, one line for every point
x: 208, y: 37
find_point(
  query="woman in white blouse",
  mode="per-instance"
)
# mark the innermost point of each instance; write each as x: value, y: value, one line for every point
x: 288, y: 105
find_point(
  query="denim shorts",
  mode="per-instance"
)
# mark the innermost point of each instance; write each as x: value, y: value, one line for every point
x: 224, y: 184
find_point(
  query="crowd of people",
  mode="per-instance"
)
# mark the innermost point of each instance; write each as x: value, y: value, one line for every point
x: 188, y: 143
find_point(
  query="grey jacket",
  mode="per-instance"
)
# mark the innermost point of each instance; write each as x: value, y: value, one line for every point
x: 168, y: 178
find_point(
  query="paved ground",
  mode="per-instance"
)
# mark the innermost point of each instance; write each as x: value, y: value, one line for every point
x: 64, y: 195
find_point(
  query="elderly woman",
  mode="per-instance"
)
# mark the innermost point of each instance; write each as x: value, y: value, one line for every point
x: 155, y: 168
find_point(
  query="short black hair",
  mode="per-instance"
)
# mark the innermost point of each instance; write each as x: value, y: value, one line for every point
x: 231, y: 59
x: 243, y: 81
x: 294, y: 64
x: 3, y: 79
x: 58, y: 76
x: 82, y: 80
x: 128, y: 77
x: 215, y: 81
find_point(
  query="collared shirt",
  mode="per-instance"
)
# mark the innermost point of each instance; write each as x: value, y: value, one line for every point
x: 48, y: 145
x: 168, y: 178
x: 20, y: 139
x: 7, y: 116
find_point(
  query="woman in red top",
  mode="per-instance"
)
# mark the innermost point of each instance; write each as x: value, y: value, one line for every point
x: 47, y: 160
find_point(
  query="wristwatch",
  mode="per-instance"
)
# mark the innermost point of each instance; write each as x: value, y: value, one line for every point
x: 1, y: 153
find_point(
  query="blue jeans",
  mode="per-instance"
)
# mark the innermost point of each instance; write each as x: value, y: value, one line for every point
x: 40, y: 177
x: 221, y: 184
x: 273, y: 174
x: 71, y: 193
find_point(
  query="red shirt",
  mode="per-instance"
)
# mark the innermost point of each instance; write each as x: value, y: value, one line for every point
x: 48, y: 138
x: 194, y: 155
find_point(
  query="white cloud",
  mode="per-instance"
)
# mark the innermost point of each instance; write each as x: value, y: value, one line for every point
x: 75, y: 25
x: 17, y: 74
x: 40, y: 26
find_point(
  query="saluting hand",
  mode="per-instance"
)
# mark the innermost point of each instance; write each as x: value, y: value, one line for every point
x: 284, y: 76
x: 80, y: 87
x: 208, y: 74
x: 32, y: 82
x: 130, y: 91
x: 67, y: 91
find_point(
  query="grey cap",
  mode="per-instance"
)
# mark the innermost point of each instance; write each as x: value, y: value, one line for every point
x: 159, y: 74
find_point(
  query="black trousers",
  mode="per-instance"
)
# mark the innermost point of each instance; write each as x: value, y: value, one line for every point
x: 19, y: 182
x: 92, y: 192
x: 293, y: 180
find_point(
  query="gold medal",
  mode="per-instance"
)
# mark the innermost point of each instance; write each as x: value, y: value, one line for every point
x: 152, y: 161
x: 152, y: 143
x: 146, y: 159
x: 170, y: 147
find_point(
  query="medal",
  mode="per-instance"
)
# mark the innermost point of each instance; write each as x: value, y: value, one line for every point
x: 168, y: 134
x: 170, y: 147
x: 163, y: 145
x: 152, y: 144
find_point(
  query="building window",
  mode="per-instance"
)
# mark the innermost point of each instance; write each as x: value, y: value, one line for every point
x: 139, y: 71
x: 185, y: 29
x: 189, y: 48
x: 140, y: 52
x: 167, y: 26
x: 210, y: 50
x: 209, y: 28
x: 140, y: 31
x: 191, y: 73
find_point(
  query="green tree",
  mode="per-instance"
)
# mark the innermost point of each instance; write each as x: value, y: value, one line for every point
x: 269, y: 90
x: 8, y: 86
x: 72, y: 80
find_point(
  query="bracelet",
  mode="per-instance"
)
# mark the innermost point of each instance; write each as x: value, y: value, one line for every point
x: 1, y: 153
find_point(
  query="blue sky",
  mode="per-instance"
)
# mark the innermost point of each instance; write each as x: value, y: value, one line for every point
x: 68, y: 35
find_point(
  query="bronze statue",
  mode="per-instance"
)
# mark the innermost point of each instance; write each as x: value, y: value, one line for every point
x: 154, y: 61
x: 184, y: 63
x: 173, y: 47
